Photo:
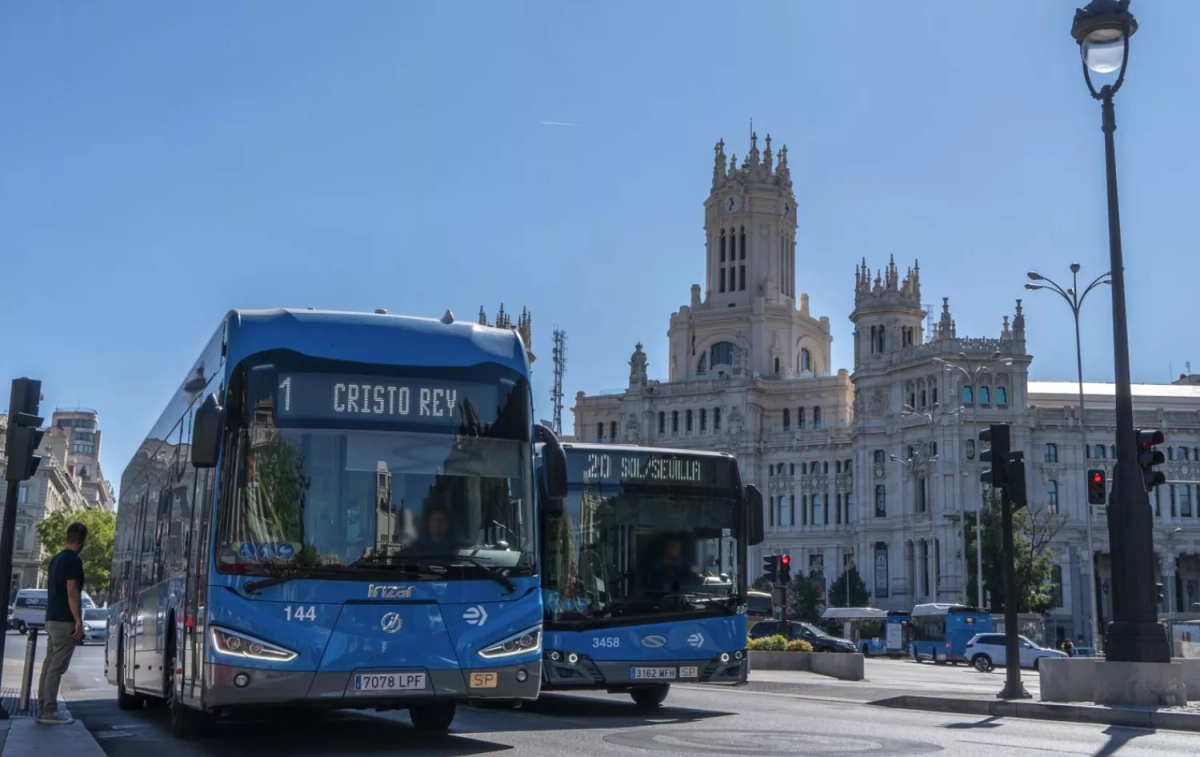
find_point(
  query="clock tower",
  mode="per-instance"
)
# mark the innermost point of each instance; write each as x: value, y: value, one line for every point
x: 750, y: 229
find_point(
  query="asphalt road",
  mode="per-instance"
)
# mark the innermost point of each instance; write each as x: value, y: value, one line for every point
x: 694, y: 720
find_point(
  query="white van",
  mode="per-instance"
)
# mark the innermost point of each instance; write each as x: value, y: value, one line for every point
x: 29, y: 611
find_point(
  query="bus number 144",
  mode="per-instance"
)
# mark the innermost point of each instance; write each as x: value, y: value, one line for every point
x: 300, y: 612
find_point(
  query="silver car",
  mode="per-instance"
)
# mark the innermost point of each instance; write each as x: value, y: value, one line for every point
x: 95, y: 624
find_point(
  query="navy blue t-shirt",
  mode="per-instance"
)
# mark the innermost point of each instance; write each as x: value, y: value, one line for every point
x: 65, y: 566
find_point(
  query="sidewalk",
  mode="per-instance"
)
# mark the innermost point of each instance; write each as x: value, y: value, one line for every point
x: 969, y: 697
x: 21, y: 735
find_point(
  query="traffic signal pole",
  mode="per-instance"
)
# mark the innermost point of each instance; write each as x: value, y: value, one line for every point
x: 1013, y: 687
x: 22, y: 411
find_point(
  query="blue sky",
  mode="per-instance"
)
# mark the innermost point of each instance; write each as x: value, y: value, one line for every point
x: 163, y: 163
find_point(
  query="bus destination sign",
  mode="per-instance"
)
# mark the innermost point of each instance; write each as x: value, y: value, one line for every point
x: 381, y: 399
x: 649, y: 468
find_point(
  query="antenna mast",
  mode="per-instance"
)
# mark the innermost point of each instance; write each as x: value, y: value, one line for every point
x: 560, y: 368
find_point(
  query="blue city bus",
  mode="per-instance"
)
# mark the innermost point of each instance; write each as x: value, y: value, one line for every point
x: 643, y: 571
x: 335, y: 510
x: 941, y: 631
x: 875, y: 632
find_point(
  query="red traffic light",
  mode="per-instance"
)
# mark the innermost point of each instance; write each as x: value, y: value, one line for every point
x: 785, y: 560
x: 1097, y: 477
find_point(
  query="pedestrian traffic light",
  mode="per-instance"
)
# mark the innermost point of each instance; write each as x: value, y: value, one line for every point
x: 1158, y: 588
x: 24, y: 429
x: 996, y: 437
x: 771, y: 568
x: 1148, y: 457
x: 1097, y: 486
x: 785, y: 569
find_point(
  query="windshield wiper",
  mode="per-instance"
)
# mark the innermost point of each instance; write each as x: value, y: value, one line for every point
x: 484, y: 568
x: 255, y: 587
x: 648, y: 604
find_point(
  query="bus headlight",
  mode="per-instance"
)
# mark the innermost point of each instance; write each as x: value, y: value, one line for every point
x: 248, y: 647
x: 529, y: 640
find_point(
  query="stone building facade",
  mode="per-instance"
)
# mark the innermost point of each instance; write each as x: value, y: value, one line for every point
x: 877, y: 468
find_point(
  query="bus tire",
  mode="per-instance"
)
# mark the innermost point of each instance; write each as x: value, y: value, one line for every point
x: 186, y: 723
x: 432, y: 717
x: 125, y: 700
x: 650, y: 697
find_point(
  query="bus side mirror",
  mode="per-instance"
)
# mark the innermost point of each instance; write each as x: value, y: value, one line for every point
x: 206, y: 432
x: 552, y: 484
x: 753, y: 504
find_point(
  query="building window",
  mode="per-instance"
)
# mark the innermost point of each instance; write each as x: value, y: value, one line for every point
x: 22, y: 494
x: 19, y: 538
x: 1001, y: 396
x: 922, y: 494
x: 1097, y: 452
x: 787, y: 419
x: 849, y: 508
x: 721, y: 354
x: 702, y: 366
x: 880, y: 457
x: 722, y: 284
x: 687, y: 419
x: 742, y: 276
x: 880, y: 501
x: 716, y: 419
x: 1052, y: 453
x: 662, y: 422
x: 800, y: 418
x: 805, y: 360
x: 1052, y: 496
x: 703, y: 419
x: 674, y: 421
x: 612, y: 431
x: 817, y: 420
x: 968, y: 396
x: 600, y: 431
x: 970, y: 449
x: 985, y: 395
x: 1056, y: 586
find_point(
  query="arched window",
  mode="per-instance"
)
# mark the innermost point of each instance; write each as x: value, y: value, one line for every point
x: 985, y: 395
x: 787, y: 419
x: 967, y: 394
x: 817, y: 420
x: 600, y: 431
x: 662, y: 422
x: 805, y: 360
x: 702, y: 367
x: 1052, y: 497
x: 1001, y: 396
x: 880, y: 501
x: 776, y: 365
x: 721, y: 354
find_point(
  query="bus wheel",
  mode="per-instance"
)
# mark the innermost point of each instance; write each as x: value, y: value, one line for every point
x: 651, y: 697
x: 432, y: 717
x: 186, y: 723
x: 125, y: 700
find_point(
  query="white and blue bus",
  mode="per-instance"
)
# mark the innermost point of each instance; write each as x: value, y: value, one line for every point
x: 941, y: 631
x: 644, y: 572
x: 334, y: 510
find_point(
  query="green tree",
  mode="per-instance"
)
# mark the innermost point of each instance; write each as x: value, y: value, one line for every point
x: 97, y: 552
x: 1034, y: 528
x: 858, y: 590
x: 281, y: 487
x: 805, y: 597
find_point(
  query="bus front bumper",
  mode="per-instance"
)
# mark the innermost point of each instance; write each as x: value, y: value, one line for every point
x: 569, y: 670
x: 235, y: 686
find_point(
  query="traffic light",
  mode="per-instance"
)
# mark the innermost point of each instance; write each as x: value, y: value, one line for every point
x: 1097, y: 486
x: 771, y: 568
x: 785, y: 569
x: 997, y: 438
x: 1158, y: 588
x: 1015, y: 472
x: 1148, y: 457
x: 24, y: 429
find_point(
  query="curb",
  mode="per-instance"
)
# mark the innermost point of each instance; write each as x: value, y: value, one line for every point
x: 1073, y: 713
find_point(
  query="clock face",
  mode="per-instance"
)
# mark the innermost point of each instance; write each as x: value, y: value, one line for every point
x: 732, y: 204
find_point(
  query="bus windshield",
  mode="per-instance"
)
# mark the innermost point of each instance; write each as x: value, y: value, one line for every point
x: 629, y: 550
x: 331, y: 470
x: 760, y: 605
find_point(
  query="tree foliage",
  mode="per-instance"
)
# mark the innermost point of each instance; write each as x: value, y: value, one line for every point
x: 858, y: 590
x: 1034, y: 527
x: 97, y: 551
x: 805, y: 598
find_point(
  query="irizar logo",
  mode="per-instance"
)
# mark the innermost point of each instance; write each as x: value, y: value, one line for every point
x: 382, y: 591
x: 391, y: 622
x: 654, y: 641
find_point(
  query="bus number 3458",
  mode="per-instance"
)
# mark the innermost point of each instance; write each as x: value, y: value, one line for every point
x: 606, y: 642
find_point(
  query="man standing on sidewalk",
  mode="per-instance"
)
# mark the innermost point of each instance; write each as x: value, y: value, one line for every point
x: 64, y: 622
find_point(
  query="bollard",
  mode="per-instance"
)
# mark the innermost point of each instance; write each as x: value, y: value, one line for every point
x: 27, y: 674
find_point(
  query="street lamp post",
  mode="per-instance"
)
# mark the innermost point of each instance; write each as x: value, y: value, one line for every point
x: 933, y: 419
x: 1103, y: 30
x: 1074, y: 299
x: 971, y: 374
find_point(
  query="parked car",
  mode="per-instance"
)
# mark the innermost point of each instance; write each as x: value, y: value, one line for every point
x: 987, y: 651
x: 821, y: 641
x: 95, y: 624
x: 29, y: 611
